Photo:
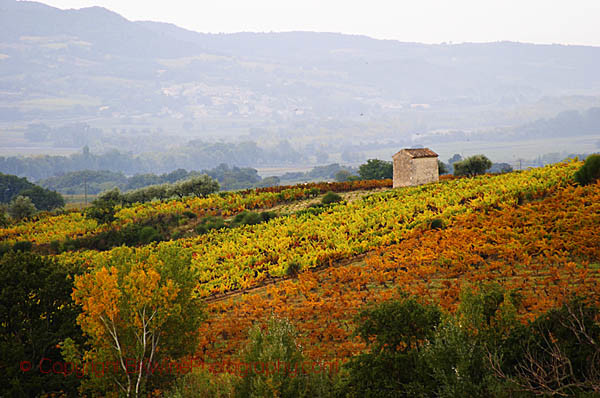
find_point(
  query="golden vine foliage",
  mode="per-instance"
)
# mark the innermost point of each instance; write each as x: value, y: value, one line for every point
x: 74, y: 225
x: 244, y: 257
x: 547, y: 250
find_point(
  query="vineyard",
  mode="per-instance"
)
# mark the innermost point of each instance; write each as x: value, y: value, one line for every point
x: 243, y: 257
x: 74, y: 224
x: 315, y: 265
x: 547, y: 250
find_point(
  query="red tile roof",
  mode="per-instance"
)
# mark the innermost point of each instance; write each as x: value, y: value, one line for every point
x: 420, y: 153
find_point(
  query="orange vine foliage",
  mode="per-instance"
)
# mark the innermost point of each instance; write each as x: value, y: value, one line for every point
x: 547, y: 250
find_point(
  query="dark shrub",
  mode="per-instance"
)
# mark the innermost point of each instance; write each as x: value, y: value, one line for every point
x: 267, y: 215
x: 104, y: 214
x: 208, y: 223
x: 36, y: 315
x: 293, y: 268
x: 590, y: 171
x: 189, y: 214
x: 251, y: 218
x: 437, y: 223
x: 55, y: 246
x: 331, y: 197
x: 148, y: 234
x: 237, y: 220
x: 24, y: 246
x: 313, y: 192
x: 4, y: 248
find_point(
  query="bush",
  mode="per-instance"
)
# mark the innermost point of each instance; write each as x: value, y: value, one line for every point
x: 209, y: 222
x: 21, y: 207
x: 395, y: 333
x: 437, y: 223
x: 189, y: 214
x: 200, y: 186
x: 4, y: 248
x: 277, y: 345
x: 103, y: 213
x: 267, y: 215
x: 69, y: 245
x: 55, y: 246
x: 314, y: 192
x: 331, y: 197
x: 293, y: 268
x: 202, y: 383
x: 590, y: 171
x: 23, y: 246
x: 149, y: 234
x: 251, y: 218
x: 103, y: 208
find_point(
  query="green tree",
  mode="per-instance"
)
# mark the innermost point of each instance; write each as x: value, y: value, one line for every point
x: 558, y: 354
x: 200, y: 186
x: 395, y: 333
x: 472, y: 166
x: 103, y: 208
x: 458, y: 353
x: 4, y: 221
x: 44, y: 199
x: 272, y: 181
x: 345, y: 175
x: 376, y: 169
x: 11, y: 186
x: 21, y: 207
x: 276, y: 366
x: 36, y: 314
x: 590, y: 171
x: 442, y: 168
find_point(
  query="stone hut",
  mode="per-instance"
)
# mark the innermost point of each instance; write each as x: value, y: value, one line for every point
x: 415, y: 167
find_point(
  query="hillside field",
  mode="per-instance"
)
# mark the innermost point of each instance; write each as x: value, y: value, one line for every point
x: 535, y: 233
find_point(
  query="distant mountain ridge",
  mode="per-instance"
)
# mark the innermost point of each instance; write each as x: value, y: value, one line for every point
x: 91, y: 64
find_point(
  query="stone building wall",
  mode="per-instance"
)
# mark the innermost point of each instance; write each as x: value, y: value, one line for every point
x: 403, y: 170
x: 425, y: 170
x: 409, y: 170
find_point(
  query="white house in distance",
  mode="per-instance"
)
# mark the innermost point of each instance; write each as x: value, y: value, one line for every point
x: 415, y: 166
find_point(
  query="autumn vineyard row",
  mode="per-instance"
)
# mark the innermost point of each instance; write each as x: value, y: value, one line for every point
x: 74, y: 224
x: 243, y: 257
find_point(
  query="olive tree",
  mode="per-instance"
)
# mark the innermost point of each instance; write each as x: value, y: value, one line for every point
x: 472, y: 166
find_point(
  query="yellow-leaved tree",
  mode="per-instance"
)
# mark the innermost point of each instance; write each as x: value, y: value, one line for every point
x: 140, y: 313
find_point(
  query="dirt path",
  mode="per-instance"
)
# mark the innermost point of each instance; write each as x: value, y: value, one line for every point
x: 213, y: 298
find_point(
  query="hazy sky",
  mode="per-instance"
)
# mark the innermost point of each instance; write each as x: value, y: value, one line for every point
x: 428, y: 21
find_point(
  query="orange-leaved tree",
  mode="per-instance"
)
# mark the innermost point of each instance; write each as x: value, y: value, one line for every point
x: 141, y: 313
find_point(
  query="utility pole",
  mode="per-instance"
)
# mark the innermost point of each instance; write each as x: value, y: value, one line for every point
x: 85, y: 189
